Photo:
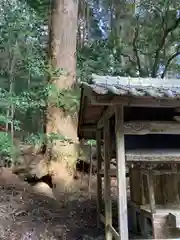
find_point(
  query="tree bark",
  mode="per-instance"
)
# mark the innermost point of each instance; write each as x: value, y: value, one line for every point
x: 166, y: 33
x: 168, y: 63
x: 62, y: 50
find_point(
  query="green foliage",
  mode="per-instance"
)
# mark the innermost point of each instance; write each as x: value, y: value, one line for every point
x: 91, y: 142
x: 121, y: 38
x: 141, y: 39
x: 22, y: 71
x: 7, y: 149
x: 41, y: 138
x: 40, y: 6
x: 66, y: 99
x: 5, y: 143
x: 100, y: 58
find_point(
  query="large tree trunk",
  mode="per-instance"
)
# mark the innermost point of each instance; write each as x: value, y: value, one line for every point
x: 62, y: 42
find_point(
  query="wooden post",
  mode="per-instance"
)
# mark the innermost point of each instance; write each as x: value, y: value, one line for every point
x: 175, y: 180
x: 107, y: 183
x: 151, y: 192
x: 121, y: 173
x: 152, y: 203
x: 143, y: 202
x: 99, y: 180
x: 143, y: 199
x: 81, y: 149
x: 90, y: 172
x: 130, y: 183
x: 132, y: 208
x: 143, y: 225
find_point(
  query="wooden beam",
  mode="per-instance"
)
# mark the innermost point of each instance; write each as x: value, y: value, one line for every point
x: 107, y: 183
x: 121, y: 176
x: 134, y: 101
x: 112, y: 173
x: 151, y: 127
x: 114, y: 233
x: 99, y: 180
x: 160, y: 172
x: 147, y: 157
x: 88, y: 127
x: 138, y: 127
x: 106, y: 115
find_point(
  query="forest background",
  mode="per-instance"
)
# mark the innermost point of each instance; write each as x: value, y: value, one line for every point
x: 48, y: 47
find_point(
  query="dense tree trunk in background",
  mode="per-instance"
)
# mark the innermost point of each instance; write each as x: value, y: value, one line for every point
x: 63, y: 28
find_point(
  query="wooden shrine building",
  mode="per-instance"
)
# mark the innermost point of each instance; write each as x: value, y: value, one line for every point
x: 138, y: 123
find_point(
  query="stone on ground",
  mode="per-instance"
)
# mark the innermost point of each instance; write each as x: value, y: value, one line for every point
x: 44, y: 189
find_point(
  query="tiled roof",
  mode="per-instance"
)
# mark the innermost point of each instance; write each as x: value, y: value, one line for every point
x: 138, y: 87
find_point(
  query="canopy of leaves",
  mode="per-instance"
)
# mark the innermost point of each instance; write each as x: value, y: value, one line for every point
x: 142, y: 38
x: 127, y: 38
x: 22, y: 69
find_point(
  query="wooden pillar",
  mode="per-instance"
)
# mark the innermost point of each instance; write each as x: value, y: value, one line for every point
x: 152, y: 203
x: 143, y: 218
x: 130, y: 183
x: 81, y: 150
x: 107, y: 182
x: 175, y: 182
x: 121, y: 173
x: 143, y: 225
x: 132, y: 208
x: 143, y: 199
x: 90, y: 171
x: 151, y: 192
x: 99, y: 181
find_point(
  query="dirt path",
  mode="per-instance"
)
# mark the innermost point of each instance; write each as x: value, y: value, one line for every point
x: 25, y: 215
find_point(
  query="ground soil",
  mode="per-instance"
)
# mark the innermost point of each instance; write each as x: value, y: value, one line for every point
x: 26, y: 215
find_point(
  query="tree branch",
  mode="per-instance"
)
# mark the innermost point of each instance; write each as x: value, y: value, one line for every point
x: 136, y: 33
x: 162, y: 42
x: 168, y: 62
x: 129, y: 58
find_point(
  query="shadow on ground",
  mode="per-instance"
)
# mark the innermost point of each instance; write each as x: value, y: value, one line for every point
x: 25, y: 215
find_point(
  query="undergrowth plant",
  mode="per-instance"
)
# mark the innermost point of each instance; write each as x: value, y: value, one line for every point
x: 24, y: 74
x: 22, y: 68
